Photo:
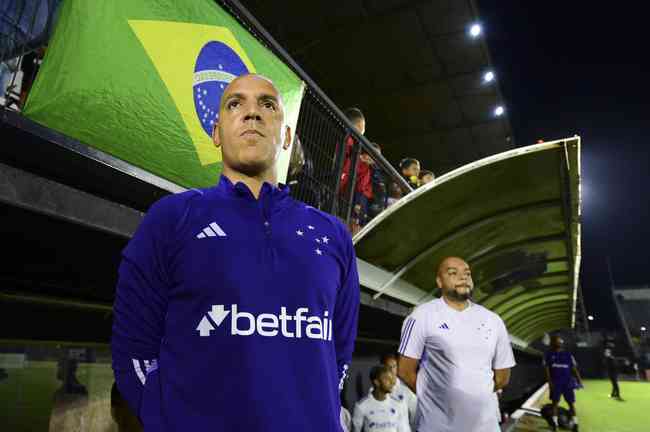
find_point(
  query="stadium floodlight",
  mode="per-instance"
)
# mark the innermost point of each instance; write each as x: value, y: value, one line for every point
x: 498, y: 111
x: 475, y: 30
x: 643, y: 328
x: 488, y: 77
x: 590, y: 317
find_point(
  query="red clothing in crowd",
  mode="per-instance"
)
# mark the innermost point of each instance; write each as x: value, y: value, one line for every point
x: 364, y: 172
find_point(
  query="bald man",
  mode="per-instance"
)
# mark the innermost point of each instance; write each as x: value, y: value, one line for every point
x: 464, y: 356
x: 236, y: 306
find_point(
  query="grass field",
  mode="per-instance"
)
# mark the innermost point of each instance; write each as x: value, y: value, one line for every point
x: 597, y: 412
x: 27, y: 397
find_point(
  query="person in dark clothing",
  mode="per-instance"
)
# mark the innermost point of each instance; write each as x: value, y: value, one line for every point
x: 357, y: 119
x: 379, y: 200
x: 612, y: 371
x: 30, y: 65
x: 410, y: 170
x: 362, y: 189
x: 561, y: 370
x: 426, y: 176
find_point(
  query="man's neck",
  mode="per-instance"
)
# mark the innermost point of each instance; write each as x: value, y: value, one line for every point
x: 378, y: 394
x: 253, y: 183
x: 455, y: 304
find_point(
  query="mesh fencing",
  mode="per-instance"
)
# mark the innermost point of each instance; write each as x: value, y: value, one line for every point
x: 333, y: 168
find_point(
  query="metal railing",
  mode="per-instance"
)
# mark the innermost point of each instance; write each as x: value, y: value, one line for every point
x: 25, y: 28
x: 25, y: 25
x: 331, y: 148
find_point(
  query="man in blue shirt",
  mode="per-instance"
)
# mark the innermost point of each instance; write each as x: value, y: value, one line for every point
x: 562, y: 376
x: 224, y: 289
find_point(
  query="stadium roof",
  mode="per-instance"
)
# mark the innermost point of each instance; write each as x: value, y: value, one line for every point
x: 411, y: 66
x: 514, y: 217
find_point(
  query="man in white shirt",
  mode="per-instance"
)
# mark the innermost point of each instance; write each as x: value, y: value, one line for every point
x: 463, y: 353
x: 346, y: 420
x: 401, y: 391
x: 378, y: 411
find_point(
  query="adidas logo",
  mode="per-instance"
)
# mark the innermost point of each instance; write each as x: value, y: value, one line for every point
x: 443, y: 326
x: 212, y: 230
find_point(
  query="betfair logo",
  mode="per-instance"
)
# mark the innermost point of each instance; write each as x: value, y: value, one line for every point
x: 298, y: 325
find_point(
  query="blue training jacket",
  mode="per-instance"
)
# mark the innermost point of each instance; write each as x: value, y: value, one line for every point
x: 235, y: 314
x: 560, y: 365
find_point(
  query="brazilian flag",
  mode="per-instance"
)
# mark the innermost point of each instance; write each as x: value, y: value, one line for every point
x: 142, y: 80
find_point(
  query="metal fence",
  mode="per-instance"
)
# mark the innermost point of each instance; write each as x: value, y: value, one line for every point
x: 332, y: 168
x: 25, y: 28
x: 335, y: 168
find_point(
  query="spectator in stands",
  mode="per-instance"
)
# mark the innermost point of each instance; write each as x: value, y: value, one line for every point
x: 379, y: 199
x: 401, y: 391
x: 426, y: 177
x: 297, y: 159
x: 301, y: 176
x: 458, y: 352
x: 612, y: 369
x: 559, y: 367
x: 378, y: 411
x: 394, y: 194
x: 410, y: 170
x: 357, y: 119
x: 122, y: 415
x: 7, y: 70
x: 30, y: 64
x: 363, y: 193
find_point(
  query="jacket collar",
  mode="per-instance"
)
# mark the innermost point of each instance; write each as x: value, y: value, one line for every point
x: 240, y: 190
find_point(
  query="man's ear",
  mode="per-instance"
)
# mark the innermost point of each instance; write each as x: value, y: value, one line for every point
x: 215, y: 135
x: 439, y: 282
x: 287, y: 138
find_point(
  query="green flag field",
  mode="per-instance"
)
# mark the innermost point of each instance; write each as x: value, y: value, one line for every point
x: 142, y: 81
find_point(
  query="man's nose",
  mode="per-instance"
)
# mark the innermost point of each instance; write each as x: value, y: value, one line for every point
x: 252, y: 113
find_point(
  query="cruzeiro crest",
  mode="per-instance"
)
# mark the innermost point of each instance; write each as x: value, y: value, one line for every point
x: 216, y: 66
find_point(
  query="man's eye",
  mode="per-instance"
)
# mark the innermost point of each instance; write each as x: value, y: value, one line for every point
x: 233, y: 104
x: 269, y: 105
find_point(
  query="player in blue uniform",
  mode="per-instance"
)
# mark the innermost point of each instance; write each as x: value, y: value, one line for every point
x: 224, y: 289
x: 562, y: 376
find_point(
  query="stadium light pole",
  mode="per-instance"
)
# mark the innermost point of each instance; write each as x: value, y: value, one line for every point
x: 619, y: 308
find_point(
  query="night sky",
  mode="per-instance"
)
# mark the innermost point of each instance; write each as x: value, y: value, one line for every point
x: 568, y: 67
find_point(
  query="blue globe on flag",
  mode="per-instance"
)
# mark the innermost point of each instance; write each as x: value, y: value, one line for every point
x: 216, y: 66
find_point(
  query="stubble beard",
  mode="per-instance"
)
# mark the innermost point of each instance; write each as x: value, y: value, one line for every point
x: 456, y: 296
